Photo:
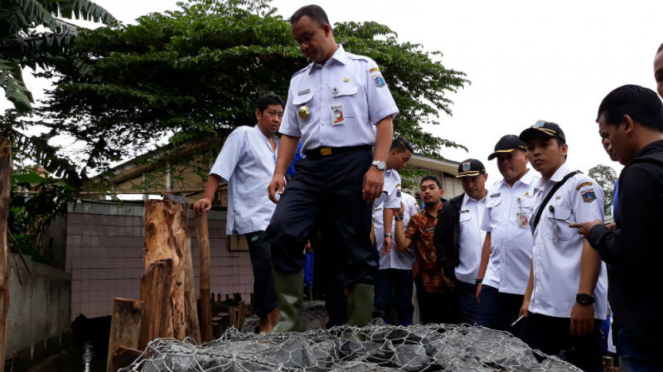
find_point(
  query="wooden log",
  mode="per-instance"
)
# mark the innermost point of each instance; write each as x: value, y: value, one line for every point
x: 190, y: 306
x: 155, y: 293
x: 202, y: 235
x: 123, y: 357
x: 165, y: 237
x: 125, y: 327
x: 5, y: 186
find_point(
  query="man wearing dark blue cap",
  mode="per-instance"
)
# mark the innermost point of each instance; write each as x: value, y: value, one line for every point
x: 459, y: 239
x: 566, y: 296
x: 507, y: 250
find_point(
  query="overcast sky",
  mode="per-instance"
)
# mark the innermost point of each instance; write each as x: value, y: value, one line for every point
x: 527, y: 60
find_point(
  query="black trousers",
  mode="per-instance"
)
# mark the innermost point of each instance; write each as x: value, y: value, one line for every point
x: 326, y: 193
x: 437, y: 307
x: 467, y: 302
x: 264, y: 291
x: 553, y: 336
x: 499, y: 310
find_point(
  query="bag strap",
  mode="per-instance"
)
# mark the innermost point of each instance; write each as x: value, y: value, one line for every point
x: 550, y: 195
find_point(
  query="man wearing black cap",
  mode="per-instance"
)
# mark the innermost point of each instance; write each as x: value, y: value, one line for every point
x: 566, y: 296
x: 507, y: 250
x: 458, y: 237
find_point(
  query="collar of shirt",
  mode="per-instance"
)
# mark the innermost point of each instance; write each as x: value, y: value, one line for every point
x: 526, y: 179
x: 256, y: 128
x: 339, y: 56
x: 468, y: 199
x: 556, y: 177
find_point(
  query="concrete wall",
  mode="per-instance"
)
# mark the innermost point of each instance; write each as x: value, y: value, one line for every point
x: 105, y: 256
x: 39, y: 310
x: 52, y: 244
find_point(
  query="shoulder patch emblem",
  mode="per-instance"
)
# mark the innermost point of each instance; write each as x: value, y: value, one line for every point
x: 583, y: 185
x: 588, y: 195
x: 379, y: 81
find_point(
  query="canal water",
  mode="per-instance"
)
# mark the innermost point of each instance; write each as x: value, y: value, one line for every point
x: 85, y: 358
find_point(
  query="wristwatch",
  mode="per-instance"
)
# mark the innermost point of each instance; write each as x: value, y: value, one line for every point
x: 387, y: 235
x: 585, y: 299
x: 478, y: 281
x: 380, y: 165
x: 400, y: 218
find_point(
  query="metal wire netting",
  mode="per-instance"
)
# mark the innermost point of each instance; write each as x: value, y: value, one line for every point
x: 438, y: 347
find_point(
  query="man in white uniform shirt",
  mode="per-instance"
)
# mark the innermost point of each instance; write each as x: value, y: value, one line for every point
x: 246, y: 162
x: 340, y: 107
x: 458, y: 236
x: 507, y: 250
x: 566, y: 296
x: 394, y: 278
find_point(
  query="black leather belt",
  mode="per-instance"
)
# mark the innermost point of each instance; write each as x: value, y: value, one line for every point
x: 331, y: 151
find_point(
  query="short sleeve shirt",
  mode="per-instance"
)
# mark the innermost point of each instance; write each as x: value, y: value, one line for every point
x: 558, y: 248
x: 471, y: 239
x: 507, y: 215
x: 247, y: 163
x: 344, y: 98
x: 420, y: 230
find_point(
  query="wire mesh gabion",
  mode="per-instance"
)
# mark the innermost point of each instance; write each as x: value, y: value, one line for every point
x: 436, y: 347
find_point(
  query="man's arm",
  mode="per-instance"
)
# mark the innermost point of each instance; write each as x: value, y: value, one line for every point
x: 528, y: 292
x: 374, y: 178
x: 203, y: 205
x: 287, y: 148
x: 387, y: 217
x: 402, y: 242
x: 485, y: 258
x: 582, y: 316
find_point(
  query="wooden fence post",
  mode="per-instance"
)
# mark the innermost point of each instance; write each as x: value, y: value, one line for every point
x: 125, y: 327
x: 155, y: 293
x: 190, y: 303
x: 5, y: 185
x: 202, y: 234
x: 165, y: 237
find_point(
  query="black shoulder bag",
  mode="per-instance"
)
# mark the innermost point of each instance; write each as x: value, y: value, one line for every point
x: 550, y: 195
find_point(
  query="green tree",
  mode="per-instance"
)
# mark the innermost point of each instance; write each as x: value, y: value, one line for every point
x: 23, y: 44
x: 197, y: 72
x: 605, y: 177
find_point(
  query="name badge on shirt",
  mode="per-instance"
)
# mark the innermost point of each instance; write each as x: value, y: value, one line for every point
x: 337, y: 114
x: 522, y: 220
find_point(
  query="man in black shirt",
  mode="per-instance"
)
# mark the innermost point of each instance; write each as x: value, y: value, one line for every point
x: 630, y: 118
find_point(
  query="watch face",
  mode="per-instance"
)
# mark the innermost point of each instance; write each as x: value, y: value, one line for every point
x: 380, y: 165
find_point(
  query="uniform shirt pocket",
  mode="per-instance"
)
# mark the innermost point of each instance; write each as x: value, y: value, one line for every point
x: 564, y: 232
x: 301, y: 101
x: 465, y: 221
x: 347, y: 96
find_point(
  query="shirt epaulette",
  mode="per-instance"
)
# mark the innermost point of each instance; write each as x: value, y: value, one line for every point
x: 302, y: 70
x: 358, y: 57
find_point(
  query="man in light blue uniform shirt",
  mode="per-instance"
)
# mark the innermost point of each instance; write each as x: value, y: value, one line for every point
x: 340, y: 107
x: 246, y: 162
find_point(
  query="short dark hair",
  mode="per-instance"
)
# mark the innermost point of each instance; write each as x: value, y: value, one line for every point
x: 400, y: 145
x: 315, y: 12
x: 640, y: 103
x: 431, y: 178
x: 269, y: 99
x: 660, y: 48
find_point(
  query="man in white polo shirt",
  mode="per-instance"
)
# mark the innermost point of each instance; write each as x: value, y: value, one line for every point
x: 246, y: 162
x: 507, y: 250
x: 566, y: 297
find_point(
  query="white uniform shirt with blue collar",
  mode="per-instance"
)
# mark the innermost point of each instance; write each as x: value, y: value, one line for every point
x: 401, y: 260
x: 511, y: 238
x: 247, y: 163
x: 346, y: 81
x: 471, y: 238
x: 558, y: 248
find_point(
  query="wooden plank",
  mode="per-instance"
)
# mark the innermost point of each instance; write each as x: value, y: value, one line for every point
x: 190, y: 303
x: 5, y: 186
x: 155, y: 293
x: 202, y: 235
x: 123, y: 357
x: 125, y: 327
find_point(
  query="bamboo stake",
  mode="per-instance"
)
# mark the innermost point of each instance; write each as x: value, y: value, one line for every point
x: 202, y: 234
